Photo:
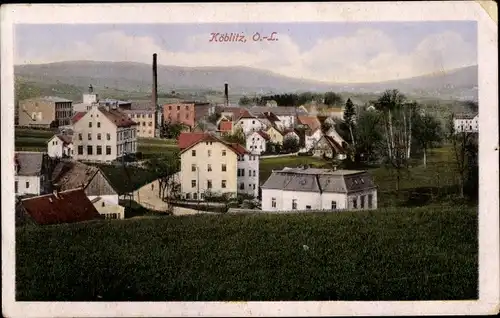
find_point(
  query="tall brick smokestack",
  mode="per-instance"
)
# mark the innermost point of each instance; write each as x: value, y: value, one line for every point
x: 226, y: 94
x: 154, y: 94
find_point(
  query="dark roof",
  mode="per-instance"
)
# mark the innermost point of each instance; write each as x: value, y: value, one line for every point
x: 269, y: 116
x: 143, y: 105
x: 119, y: 118
x: 66, y: 139
x: 278, y: 110
x: 54, y: 99
x: 465, y: 115
x: 73, y: 174
x: 264, y: 135
x: 334, y: 144
x: 29, y: 163
x: 319, y: 180
x: 65, y: 207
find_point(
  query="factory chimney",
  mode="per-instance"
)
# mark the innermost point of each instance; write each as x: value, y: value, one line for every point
x: 226, y: 95
x: 154, y: 94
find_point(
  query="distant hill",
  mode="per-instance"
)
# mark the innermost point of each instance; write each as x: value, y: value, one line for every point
x: 136, y: 77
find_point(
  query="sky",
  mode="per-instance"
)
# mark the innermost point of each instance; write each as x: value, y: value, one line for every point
x: 336, y: 52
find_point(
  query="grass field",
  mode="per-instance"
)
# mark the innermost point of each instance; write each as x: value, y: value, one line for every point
x: 391, y: 254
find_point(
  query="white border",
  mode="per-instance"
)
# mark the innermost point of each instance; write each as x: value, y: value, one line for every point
x: 266, y: 12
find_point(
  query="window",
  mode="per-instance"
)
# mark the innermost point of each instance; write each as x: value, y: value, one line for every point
x: 370, y: 201
x: 334, y: 205
x: 89, y: 150
x: 195, y: 196
x: 80, y: 150
x: 80, y: 137
x: 178, y: 107
x: 239, y: 172
x: 308, y: 207
x: 193, y: 183
x: 253, y: 186
x: 15, y: 186
x: 209, y: 184
x: 355, y: 203
x: 150, y: 115
x: 27, y: 184
x: 144, y: 123
x: 108, y: 136
x: 193, y: 153
x: 193, y: 167
x: 90, y: 124
x: 273, y: 202
x: 209, y: 153
x: 224, y: 167
x: 242, y: 186
x: 202, y: 196
x: 294, y: 204
x: 102, y: 204
x: 242, y: 172
x: 98, y: 124
x: 362, y: 201
x: 99, y: 136
x: 99, y: 150
x: 188, y: 196
x: 253, y: 121
x: 249, y: 172
x: 223, y: 184
x: 209, y: 167
x: 150, y: 124
x: 187, y: 116
x: 223, y: 152
x: 108, y: 150
x: 169, y: 107
x: 89, y: 136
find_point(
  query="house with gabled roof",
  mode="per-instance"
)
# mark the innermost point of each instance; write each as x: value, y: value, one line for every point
x: 55, y: 208
x: 313, y: 131
x: 318, y: 189
x: 31, y: 173
x: 248, y: 122
x: 104, y: 134
x: 256, y: 141
x: 328, y: 147
x: 60, y: 146
x: 466, y: 122
x: 211, y: 165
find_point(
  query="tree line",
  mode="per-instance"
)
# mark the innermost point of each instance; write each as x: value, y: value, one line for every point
x: 329, y: 99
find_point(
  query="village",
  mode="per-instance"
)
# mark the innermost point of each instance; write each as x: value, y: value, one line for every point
x: 215, y: 168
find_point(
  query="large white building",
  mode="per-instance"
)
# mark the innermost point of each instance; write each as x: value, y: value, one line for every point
x: 318, y: 189
x: 466, y: 122
x: 31, y: 173
x: 104, y: 133
x: 211, y: 165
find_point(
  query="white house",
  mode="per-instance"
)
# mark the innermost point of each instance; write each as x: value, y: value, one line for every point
x: 60, y: 146
x: 287, y: 115
x: 104, y: 133
x: 31, y: 173
x: 108, y: 209
x: 312, y: 138
x: 248, y: 174
x: 249, y: 123
x: 256, y: 142
x: 318, y: 189
x: 466, y: 122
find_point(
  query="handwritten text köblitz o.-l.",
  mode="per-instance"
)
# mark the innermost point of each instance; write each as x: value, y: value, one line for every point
x: 241, y: 37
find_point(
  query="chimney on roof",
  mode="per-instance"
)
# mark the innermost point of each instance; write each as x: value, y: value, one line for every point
x: 226, y: 94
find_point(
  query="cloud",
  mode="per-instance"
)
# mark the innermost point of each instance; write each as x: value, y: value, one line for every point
x: 367, y: 55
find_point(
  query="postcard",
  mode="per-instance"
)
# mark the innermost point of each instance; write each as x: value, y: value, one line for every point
x: 277, y: 159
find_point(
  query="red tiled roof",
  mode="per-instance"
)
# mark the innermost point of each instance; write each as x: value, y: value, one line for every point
x: 77, y: 116
x: 200, y: 137
x: 264, y: 135
x: 245, y: 114
x: 67, y: 207
x: 312, y: 122
x: 186, y: 139
x: 119, y: 118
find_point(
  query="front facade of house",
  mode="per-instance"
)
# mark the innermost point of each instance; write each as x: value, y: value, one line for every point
x: 298, y: 189
x: 108, y: 209
x: 312, y: 139
x: 275, y: 135
x: 328, y: 147
x: 249, y: 124
x: 145, y: 119
x: 248, y: 174
x: 31, y: 170
x: 466, y: 123
x: 60, y: 146
x: 104, y: 134
x: 256, y: 142
x: 208, y: 165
